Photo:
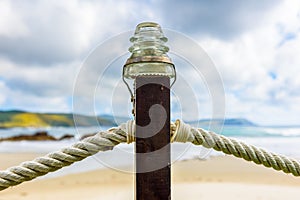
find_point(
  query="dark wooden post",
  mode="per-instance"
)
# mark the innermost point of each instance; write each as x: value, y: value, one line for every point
x: 151, y: 69
x: 153, y: 138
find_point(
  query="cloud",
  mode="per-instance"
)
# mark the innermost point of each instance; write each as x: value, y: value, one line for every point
x: 11, y: 24
x: 254, y: 45
x: 2, y: 93
x: 51, y: 32
x: 220, y: 19
x: 19, y: 99
x: 36, y: 88
x: 39, y: 81
x: 246, y: 62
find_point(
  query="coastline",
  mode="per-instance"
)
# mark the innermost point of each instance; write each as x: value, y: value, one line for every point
x: 219, y: 177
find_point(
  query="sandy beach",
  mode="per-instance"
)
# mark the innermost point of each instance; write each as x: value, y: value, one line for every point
x: 220, y: 177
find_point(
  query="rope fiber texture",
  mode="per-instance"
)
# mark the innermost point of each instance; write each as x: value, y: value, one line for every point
x: 106, y: 140
x: 26, y: 171
x: 182, y: 132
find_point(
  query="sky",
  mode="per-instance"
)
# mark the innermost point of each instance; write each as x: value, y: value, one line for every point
x: 54, y: 53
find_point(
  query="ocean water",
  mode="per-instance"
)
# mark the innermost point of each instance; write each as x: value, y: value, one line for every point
x: 282, y: 140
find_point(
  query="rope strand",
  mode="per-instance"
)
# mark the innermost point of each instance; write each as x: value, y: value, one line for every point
x: 186, y: 133
x: 29, y: 170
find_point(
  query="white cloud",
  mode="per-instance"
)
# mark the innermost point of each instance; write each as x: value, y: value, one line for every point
x: 37, y: 88
x: 255, y: 47
x: 18, y: 100
x: 11, y: 23
x: 2, y: 92
x: 61, y: 31
x: 260, y: 72
x: 39, y: 81
x: 220, y: 19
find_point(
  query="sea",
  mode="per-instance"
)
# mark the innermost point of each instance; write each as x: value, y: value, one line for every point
x: 283, y: 140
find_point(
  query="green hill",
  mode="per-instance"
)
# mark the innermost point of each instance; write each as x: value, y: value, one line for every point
x: 15, y: 118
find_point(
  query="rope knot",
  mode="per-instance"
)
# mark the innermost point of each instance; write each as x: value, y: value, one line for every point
x: 129, y: 128
x: 180, y: 132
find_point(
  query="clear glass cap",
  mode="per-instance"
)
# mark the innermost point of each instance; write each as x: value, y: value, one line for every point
x: 148, y: 53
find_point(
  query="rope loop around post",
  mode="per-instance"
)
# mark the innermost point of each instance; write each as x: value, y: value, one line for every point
x: 129, y: 128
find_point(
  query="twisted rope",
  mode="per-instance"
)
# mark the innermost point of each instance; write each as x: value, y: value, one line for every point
x: 106, y: 140
x: 26, y: 171
x: 182, y: 132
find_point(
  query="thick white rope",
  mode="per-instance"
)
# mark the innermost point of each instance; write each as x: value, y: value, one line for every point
x: 182, y: 132
x: 106, y: 140
x: 26, y: 171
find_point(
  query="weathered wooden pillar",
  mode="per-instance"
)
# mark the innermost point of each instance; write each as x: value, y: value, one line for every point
x: 153, y: 138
